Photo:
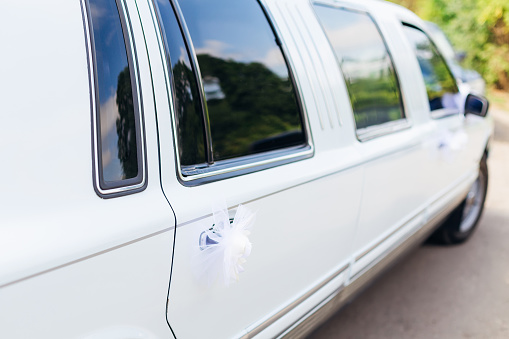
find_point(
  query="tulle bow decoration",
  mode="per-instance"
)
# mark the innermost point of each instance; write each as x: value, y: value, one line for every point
x: 225, y: 246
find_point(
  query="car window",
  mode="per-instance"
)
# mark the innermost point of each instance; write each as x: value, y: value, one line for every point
x: 440, y: 84
x: 249, y: 103
x: 119, y: 148
x: 188, y: 108
x: 366, y: 64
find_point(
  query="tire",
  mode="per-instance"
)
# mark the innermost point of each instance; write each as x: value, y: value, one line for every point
x: 463, y: 221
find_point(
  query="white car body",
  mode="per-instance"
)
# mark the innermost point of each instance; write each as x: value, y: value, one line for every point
x: 75, y: 265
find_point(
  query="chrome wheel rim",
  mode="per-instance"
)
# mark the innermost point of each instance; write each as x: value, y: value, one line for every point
x: 473, y: 204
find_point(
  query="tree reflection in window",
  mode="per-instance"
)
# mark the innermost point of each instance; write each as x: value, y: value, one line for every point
x: 118, y: 141
x: 126, y: 126
x: 188, y: 111
x: 252, y: 110
x: 440, y: 84
x: 366, y: 63
x: 251, y: 102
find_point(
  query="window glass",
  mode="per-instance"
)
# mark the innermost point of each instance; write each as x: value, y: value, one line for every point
x: 365, y: 62
x: 250, y: 97
x: 119, y: 150
x: 188, y: 111
x: 440, y: 84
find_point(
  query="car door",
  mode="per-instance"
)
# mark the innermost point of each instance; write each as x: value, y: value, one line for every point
x: 86, y: 235
x: 248, y: 129
x: 391, y: 135
x: 459, y: 140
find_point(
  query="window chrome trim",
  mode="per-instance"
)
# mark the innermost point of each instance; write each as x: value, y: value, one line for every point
x: 375, y: 131
x: 128, y: 188
x: 246, y: 164
x: 444, y: 113
x: 341, y: 5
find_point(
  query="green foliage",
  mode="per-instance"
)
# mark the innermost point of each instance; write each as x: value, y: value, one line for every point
x: 375, y: 100
x: 479, y: 27
x: 258, y: 112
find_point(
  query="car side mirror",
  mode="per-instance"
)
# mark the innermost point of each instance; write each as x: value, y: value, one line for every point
x: 477, y: 105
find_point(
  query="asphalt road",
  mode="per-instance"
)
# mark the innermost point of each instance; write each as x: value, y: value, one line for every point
x: 444, y: 292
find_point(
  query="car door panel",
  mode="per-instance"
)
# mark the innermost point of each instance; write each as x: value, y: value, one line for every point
x: 316, y: 217
x: 302, y: 207
x: 395, y: 192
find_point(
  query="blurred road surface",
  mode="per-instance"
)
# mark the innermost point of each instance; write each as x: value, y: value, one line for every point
x: 444, y: 292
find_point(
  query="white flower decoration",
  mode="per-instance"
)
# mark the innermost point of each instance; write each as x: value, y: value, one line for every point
x: 225, y: 246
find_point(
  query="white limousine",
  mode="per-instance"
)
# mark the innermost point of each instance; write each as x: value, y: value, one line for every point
x: 221, y: 169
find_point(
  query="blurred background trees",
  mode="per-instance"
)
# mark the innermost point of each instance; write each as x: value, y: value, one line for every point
x: 478, y: 27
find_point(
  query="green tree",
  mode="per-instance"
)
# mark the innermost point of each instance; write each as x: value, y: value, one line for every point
x: 258, y: 107
x: 479, y: 27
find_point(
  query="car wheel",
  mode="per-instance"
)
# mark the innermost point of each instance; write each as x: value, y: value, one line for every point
x: 462, y: 222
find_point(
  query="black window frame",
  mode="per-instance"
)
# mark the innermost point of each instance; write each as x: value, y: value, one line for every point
x: 442, y: 112
x: 228, y: 168
x: 389, y: 127
x: 131, y: 185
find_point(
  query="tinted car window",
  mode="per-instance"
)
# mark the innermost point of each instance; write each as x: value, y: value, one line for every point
x: 365, y: 62
x: 119, y: 147
x: 250, y: 98
x: 440, y: 84
x: 188, y: 110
